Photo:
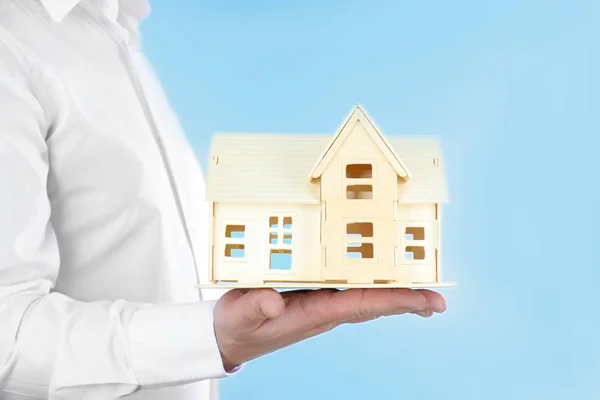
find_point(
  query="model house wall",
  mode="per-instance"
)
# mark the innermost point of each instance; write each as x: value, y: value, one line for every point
x: 359, y: 188
x: 355, y: 207
x: 275, y: 242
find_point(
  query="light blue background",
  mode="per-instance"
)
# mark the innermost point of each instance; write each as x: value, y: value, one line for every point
x: 513, y: 89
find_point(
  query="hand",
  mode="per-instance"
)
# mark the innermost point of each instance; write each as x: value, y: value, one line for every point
x: 252, y: 323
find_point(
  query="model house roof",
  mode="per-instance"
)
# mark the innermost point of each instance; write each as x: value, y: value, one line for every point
x: 276, y: 168
x: 358, y: 114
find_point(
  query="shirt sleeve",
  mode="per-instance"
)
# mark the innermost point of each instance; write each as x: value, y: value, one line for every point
x: 52, y: 346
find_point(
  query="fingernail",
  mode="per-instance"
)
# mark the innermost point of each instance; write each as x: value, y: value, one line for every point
x: 424, y: 313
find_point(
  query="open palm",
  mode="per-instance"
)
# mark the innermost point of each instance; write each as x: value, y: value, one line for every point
x: 251, y: 323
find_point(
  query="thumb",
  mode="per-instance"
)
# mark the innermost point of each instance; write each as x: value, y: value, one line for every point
x: 256, y: 306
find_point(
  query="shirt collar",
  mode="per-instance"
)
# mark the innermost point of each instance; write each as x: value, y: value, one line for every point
x: 59, y: 9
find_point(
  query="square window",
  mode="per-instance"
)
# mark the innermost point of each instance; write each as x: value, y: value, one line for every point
x: 281, y: 259
x: 359, y: 229
x: 235, y: 250
x: 414, y: 253
x: 359, y: 171
x: 415, y: 233
x: 235, y: 231
x: 274, y: 238
x: 363, y: 250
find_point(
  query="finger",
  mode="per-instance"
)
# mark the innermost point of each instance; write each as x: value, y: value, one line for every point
x: 435, y: 301
x: 292, y: 293
x: 424, y: 314
x: 436, y: 304
x: 255, y: 307
x: 376, y: 316
x: 354, y: 304
x: 233, y: 294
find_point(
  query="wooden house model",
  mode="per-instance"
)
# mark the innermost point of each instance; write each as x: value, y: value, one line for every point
x: 352, y: 209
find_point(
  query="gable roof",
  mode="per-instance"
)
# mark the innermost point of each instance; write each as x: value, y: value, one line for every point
x: 272, y: 168
x: 358, y: 114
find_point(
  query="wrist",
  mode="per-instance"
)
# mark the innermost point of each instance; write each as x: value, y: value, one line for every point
x: 228, y: 365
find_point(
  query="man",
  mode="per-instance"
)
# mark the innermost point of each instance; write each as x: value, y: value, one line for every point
x: 103, y: 226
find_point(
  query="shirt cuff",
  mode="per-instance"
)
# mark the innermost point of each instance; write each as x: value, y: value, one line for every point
x: 175, y: 344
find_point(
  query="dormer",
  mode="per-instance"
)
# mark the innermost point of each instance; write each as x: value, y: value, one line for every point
x: 358, y: 163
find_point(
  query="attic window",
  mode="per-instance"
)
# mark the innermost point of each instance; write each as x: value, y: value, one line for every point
x: 359, y: 181
x: 359, y: 192
x: 359, y: 171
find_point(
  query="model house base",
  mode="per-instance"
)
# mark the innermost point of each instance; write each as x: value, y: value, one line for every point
x: 318, y: 285
x: 355, y: 209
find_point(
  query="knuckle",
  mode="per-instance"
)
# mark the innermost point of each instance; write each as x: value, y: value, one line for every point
x: 362, y: 312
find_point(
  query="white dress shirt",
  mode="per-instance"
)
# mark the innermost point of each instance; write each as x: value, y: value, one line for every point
x: 103, y: 222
